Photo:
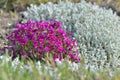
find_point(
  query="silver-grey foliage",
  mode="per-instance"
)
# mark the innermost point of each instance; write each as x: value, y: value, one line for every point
x: 96, y: 29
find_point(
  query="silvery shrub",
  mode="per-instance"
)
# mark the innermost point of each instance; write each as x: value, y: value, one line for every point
x: 96, y: 29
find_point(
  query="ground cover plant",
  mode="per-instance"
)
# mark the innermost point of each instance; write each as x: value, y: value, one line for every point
x: 96, y: 30
x: 42, y: 50
x: 41, y: 41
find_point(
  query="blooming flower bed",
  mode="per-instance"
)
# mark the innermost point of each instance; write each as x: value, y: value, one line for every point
x: 42, y: 41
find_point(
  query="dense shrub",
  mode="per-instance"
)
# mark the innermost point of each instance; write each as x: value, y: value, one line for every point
x: 96, y: 29
x: 43, y: 40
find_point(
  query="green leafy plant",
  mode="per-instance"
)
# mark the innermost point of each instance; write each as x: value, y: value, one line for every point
x: 33, y: 71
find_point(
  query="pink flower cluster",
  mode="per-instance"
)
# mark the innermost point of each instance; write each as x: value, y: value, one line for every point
x: 38, y: 40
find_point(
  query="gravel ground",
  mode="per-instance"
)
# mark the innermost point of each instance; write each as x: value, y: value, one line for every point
x: 7, y: 22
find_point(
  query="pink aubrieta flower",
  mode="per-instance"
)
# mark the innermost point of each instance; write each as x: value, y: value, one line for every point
x: 37, y: 40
